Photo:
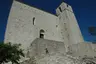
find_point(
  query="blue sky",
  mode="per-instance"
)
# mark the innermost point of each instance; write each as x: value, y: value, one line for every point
x: 85, y: 11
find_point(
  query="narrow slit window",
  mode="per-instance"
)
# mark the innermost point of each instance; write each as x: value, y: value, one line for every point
x: 46, y: 50
x: 33, y: 20
x: 60, y: 9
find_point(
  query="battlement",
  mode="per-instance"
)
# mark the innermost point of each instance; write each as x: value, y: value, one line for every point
x: 62, y: 7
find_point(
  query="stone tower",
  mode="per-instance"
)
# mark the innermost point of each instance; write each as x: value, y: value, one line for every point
x: 67, y: 17
x: 44, y: 35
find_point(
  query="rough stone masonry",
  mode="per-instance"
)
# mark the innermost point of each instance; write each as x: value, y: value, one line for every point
x: 48, y: 38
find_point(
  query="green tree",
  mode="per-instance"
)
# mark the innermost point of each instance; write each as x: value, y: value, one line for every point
x: 10, y: 53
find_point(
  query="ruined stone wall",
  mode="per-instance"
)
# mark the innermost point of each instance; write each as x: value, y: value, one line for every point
x: 42, y: 47
x: 25, y: 22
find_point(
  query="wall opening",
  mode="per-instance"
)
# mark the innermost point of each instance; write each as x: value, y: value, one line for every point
x: 42, y: 33
x: 46, y: 50
x: 67, y: 5
x: 60, y: 9
x: 33, y: 20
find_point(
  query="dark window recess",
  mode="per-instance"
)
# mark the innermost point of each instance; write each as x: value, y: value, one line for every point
x: 33, y: 20
x: 56, y: 25
x: 60, y: 9
x: 46, y: 51
x: 41, y: 35
x: 67, y: 5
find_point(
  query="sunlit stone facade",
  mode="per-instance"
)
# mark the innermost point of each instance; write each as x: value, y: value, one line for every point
x: 48, y: 38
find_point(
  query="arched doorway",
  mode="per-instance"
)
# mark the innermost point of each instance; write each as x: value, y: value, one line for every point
x: 42, y: 33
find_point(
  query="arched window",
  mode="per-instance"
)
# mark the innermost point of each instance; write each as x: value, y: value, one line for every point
x: 42, y: 33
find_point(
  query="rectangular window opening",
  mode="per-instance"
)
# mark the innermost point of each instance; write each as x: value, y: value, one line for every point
x: 60, y: 9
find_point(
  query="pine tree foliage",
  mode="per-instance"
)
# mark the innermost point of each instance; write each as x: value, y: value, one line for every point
x: 10, y: 53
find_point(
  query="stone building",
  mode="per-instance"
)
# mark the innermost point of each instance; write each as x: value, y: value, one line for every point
x: 48, y: 38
